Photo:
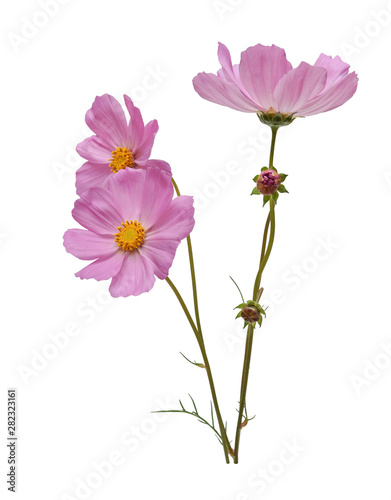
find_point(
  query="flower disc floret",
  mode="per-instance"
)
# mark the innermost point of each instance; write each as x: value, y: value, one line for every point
x: 120, y: 159
x: 130, y: 235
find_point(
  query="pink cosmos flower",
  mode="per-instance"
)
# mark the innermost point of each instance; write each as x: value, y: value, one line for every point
x: 132, y: 228
x: 264, y: 82
x: 117, y: 144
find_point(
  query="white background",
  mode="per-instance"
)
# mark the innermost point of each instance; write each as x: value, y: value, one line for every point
x: 312, y: 384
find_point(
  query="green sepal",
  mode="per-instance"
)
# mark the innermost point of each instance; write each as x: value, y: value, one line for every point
x: 282, y: 189
x: 264, y: 168
x: 283, y: 177
x: 256, y: 178
x: 266, y: 199
x: 275, y: 197
x: 273, y: 168
x: 245, y: 324
x: 240, y: 306
x: 255, y: 191
x: 238, y: 315
x: 260, y: 321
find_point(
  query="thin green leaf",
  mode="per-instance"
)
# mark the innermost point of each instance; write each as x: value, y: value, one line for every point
x: 200, y: 365
x: 241, y: 295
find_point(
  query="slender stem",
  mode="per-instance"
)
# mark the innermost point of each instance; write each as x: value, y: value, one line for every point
x: 184, y: 307
x: 257, y: 292
x: 192, y: 269
x: 274, y: 135
x: 250, y: 330
x: 226, y: 445
x: 243, y: 388
x: 268, y: 250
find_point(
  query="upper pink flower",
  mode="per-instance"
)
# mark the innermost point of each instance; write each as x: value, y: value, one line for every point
x: 264, y: 81
x: 132, y: 228
x: 117, y: 143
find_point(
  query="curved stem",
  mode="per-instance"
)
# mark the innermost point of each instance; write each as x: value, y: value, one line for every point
x: 226, y: 445
x: 268, y: 250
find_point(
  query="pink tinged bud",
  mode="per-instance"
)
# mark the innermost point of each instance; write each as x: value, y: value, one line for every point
x: 250, y: 314
x: 268, y: 182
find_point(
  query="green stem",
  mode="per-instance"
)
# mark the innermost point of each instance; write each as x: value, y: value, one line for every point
x: 274, y: 135
x: 226, y: 445
x: 192, y: 269
x: 268, y: 250
x: 250, y: 330
x: 265, y: 254
x: 243, y: 388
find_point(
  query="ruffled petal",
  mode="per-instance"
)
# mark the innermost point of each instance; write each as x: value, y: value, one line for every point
x: 96, y: 212
x: 335, y: 67
x: 298, y: 87
x: 161, y: 253
x: 107, y: 120
x: 87, y: 245
x: 136, y: 276
x: 332, y: 98
x: 261, y: 68
x: 91, y: 175
x: 136, y: 125
x: 229, y: 72
x: 214, y: 89
x: 143, y: 150
x: 176, y: 222
x: 104, y: 268
x: 160, y: 164
x: 94, y: 150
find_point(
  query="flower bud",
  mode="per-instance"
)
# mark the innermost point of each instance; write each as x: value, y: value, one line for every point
x: 250, y: 314
x: 268, y: 182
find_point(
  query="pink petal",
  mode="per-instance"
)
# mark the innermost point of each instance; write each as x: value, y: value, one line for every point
x: 143, y: 150
x: 161, y: 253
x: 335, y: 67
x: 94, y: 150
x: 174, y: 223
x: 104, y: 268
x: 91, y: 175
x: 299, y: 86
x: 136, y: 125
x: 135, y: 276
x: 141, y: 195
x: 214, y: 89
x: 160, y: 164
x: 261, y: 68
x: 96, y: 212
x: 335, y: 96
x: 87, y: 245
x: 106, y: 119
x: 227, y: 71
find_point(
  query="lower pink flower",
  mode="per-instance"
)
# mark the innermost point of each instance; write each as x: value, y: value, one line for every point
x: 133, y: 227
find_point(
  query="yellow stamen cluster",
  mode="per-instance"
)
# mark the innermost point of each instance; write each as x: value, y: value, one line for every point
x: 120, y: 159
x: 130, y: 236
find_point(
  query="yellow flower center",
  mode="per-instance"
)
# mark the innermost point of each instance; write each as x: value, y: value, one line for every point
x: 130, y: 236
x: 121, y: 158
